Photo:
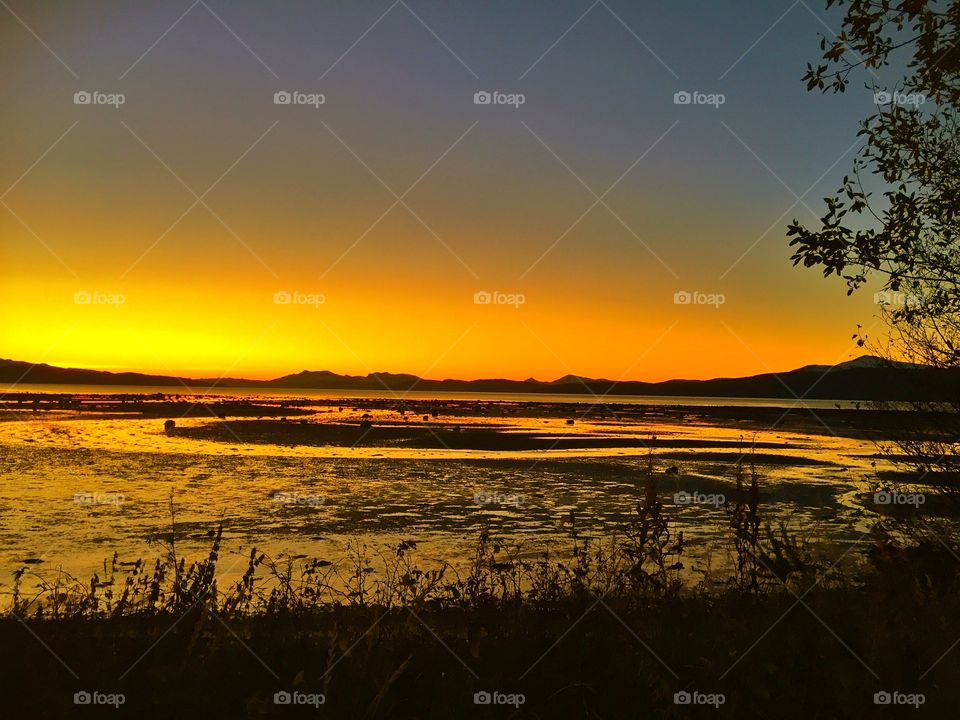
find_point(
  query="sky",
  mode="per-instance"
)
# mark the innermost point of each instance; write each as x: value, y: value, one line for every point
x: 586, y: 220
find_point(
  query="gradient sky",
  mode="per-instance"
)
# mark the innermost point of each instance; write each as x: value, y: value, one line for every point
x: 297, y: 198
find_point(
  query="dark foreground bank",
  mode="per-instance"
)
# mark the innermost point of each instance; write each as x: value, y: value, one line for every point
x: 834, y: 653
x: 615, y: 629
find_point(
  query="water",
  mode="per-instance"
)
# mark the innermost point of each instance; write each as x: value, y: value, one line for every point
x: 75, y: 487
x: 413, y: 395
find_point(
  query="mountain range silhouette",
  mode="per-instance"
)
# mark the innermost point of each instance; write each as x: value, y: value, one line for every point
x: 864, y: 378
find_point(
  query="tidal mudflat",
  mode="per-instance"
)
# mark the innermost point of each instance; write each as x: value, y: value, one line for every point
x: 84, y: 477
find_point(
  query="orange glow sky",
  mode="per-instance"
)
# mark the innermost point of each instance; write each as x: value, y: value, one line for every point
x: 301, y: 197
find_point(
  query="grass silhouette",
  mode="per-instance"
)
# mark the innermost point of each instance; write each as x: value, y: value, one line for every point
x: 615, y: 628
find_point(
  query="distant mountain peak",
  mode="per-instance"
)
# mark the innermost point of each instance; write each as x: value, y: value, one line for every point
x: 864, y: 361
x: 568, y: 379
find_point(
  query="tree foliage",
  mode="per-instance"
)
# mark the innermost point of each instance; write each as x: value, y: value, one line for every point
x: 907, y: 234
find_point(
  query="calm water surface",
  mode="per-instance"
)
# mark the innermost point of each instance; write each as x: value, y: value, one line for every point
x: 75, y: 489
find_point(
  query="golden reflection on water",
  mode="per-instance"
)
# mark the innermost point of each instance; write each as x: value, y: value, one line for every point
x: 124, y: 470
x: 126, y: 434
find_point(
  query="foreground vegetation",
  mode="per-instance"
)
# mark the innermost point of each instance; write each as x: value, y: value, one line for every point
x: 615, y: 629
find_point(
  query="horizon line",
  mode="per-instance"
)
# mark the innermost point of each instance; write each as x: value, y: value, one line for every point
x: 171, y: 374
